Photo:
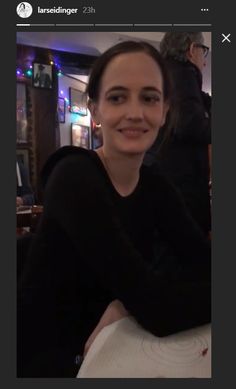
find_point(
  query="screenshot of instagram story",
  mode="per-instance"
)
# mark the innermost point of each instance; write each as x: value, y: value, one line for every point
x: 114, y: 190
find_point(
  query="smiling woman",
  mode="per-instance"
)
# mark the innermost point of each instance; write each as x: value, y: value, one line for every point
x: 115, y: 238
x: 131, y: 109
x: 131, y: 91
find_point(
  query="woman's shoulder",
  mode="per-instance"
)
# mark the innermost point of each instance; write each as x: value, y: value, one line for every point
x: 68, y: 158
x: 65, y: 151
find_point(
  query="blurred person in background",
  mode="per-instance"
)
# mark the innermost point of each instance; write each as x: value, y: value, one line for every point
x: 184, y: 156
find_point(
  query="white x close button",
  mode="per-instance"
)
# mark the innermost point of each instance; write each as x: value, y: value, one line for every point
x: 226, y: 38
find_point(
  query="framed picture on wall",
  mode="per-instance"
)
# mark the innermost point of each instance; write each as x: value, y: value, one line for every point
x: 42, y: 75
x: 80, y: 135
x: 61, y: 109
x: 78, y: 102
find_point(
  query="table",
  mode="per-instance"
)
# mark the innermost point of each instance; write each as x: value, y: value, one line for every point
x: 125, y: 350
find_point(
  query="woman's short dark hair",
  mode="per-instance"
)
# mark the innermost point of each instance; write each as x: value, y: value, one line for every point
x: 99, y: 66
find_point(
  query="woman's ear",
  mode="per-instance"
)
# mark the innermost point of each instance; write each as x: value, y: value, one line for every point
x: 92, y: 106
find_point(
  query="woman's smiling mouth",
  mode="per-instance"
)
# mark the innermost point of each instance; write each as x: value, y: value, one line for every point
x: 132, y: 132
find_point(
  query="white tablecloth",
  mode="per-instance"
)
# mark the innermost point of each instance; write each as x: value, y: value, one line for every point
x: 125, y: 350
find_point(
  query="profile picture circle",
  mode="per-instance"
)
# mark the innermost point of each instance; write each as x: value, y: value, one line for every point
x: 24, y: 10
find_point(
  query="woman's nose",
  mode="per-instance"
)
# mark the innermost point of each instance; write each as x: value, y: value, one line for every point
x: 134, y: 110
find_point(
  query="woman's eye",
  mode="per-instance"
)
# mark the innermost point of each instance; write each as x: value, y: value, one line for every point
x: 151, y: 99
x: 116, y: 98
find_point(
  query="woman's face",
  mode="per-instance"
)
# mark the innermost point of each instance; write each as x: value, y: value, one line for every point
x: 130, y: 107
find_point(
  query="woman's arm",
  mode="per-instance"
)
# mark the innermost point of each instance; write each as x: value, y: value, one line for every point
x: 178, y: 227
x: 115, y: 311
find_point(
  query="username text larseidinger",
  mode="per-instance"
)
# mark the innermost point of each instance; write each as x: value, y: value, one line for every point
x: 57, y: 10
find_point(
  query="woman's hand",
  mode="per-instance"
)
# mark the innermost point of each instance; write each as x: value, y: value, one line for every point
x: 115, y: 311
